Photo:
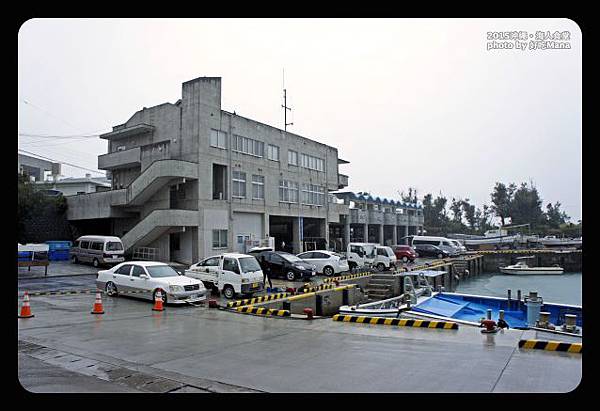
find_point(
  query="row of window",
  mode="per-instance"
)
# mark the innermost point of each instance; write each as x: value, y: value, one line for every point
x: 256, y: 148
x: 239, y: 186
x: 312, y: 194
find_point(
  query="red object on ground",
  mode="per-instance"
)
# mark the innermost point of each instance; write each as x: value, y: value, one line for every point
x: 290, y: 290
x: 490, y: 326
x: 309, y: 313
x: 212, y: 303
x: 26, y: 309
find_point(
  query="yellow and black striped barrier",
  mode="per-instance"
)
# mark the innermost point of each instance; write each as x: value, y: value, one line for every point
x: 551, y: 345
x: 525, y: 251
x: 263, y: 311
x: 317, y: 288
x: 268, y: 297
x: 347, y: 277
x: 310, y: 294
x: 444, y: 325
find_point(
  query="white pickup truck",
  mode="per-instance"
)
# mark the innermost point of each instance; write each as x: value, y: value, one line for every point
x: 229, y: 273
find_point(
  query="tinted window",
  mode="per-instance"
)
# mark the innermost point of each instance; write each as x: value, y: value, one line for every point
x: 114, y: 246
x: 381, y: 251
x: 76, y: 243
x: 275, y: 258
x: 96, y: 246
x: 290, y: 257
x: 137, y: 271
x: 307, y: 255
x: 321, y: 255
x: 85, y: 244
x: 161, y: 271
x: 124, y: 269
x: 230, y: 264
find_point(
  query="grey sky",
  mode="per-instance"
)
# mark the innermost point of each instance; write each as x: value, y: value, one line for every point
x: 417, y: 103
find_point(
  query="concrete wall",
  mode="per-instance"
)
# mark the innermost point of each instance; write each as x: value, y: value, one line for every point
x: 571, y: 262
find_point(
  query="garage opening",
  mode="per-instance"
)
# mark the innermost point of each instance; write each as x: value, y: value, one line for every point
x: 281, y: 228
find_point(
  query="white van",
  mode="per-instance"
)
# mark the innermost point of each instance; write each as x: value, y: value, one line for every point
x: 441, y: 242
x: 384, y: 258
x: 97, y: 249
x: 230, y: 273
x: 359, y: 254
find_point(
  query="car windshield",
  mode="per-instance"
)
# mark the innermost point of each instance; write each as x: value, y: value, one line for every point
x: 161, y: 271
x: 114, y: 246
x: 291, y: 258
x: 249, y: 264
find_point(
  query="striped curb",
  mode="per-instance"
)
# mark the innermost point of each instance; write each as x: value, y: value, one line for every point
x: 551, y: 345
x: 310, y: 294
x: 248, y: 301
x: 445, y: 325
x: 347, y: 277
x: 263, y: 311
x: 317, y: 288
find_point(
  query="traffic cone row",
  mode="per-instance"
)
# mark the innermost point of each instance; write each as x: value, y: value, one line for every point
x: 26, y: 309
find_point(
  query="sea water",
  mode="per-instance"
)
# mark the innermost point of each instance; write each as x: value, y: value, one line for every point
x: 563, y: 288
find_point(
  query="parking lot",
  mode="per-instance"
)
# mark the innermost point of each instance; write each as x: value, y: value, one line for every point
x: 131, y: 348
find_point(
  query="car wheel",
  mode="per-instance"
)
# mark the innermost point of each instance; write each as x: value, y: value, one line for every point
x: 328, y: 271
x: 440, y: 256
x: 380, y: 267
x: 75, y: 259
x: 163, y: 294
x: 351, y: 265
x: 290, y: 276
x: 405, y: 259
x: 96, y: 263
x: 228, y: 292
x: 111, y: 289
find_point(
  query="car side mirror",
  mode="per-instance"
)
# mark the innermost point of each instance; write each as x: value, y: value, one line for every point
x: 144, y: 276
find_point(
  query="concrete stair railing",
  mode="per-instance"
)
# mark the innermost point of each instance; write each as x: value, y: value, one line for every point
x: 155, y: 224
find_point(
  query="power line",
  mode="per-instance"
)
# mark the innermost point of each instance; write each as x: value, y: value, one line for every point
x: 59, y: 137
x: 63, y: 162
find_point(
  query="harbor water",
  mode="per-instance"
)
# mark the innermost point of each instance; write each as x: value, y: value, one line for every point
x: 563, y: 289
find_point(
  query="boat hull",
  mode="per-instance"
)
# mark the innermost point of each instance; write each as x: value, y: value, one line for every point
x: 532, y: 271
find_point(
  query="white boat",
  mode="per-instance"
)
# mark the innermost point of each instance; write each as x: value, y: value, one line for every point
x: 491, y: 237
x: 553, y: 241
x: 521, y: 268
x: 392, y: 307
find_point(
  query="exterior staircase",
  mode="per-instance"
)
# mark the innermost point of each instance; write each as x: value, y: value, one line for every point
x: 380, y: 287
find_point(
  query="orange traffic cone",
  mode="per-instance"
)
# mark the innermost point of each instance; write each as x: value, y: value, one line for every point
x: 26, y: 309
x: 158, y: 302
x: 98, y: 305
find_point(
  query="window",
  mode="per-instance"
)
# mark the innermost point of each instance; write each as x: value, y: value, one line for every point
x: 239, y: 184
x: 219, y: 238
x: 273, y: 153
x: 292, y: 158
x: 210, y: 262
x: 230, y: 264
x: 137, y: 271
x: 312, y: 163
x: 218, y: 138
x: 321, y: 255
x: 249, y: 146
x: 288, y: 191
x: 313, y: 194
x: 114, y: 246
x: 85, y: 244
x: 258, y: 187
x: 97, y: 246
x: 124, y: 269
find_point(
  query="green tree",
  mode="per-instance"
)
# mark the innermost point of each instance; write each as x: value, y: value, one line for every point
x: 456, y: 208
x: 502, y: 197
x: 554, y: 216
x: 469, y: 212
x: 526, y: 206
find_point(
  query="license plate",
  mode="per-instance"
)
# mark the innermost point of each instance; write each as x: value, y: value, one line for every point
x: 254, y: 285
x: 114, y: 256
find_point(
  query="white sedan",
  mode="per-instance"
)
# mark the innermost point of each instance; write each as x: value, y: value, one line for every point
x: 327, y: 262
x: 146, y: 278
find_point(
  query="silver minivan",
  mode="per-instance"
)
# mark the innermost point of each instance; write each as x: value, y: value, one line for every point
x: 97, y: 249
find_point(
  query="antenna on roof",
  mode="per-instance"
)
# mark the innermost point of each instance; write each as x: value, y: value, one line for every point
x: 285, y: 107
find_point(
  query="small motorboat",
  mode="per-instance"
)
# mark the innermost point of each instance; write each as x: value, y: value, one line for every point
x: 521, y: 268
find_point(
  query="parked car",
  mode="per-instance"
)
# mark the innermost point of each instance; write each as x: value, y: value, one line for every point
x: 97, y: 249
x: 461, y: 248
x: 229, y: 273
x: 405, y: 253
x: 285, y: 265
x: 151, y: 276
x: 383, y: 258
x: 326, y: 262
x: 428, y: 250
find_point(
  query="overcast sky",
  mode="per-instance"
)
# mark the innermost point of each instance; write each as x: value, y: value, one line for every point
x: 418, y: 103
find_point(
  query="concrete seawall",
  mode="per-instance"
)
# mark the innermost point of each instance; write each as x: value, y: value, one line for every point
x: 571, y: 261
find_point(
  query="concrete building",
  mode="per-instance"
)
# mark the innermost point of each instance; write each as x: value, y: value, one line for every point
x: 192, y: 180
x: 74, y: 186
x: 379, y: 220
x: 35, y: 168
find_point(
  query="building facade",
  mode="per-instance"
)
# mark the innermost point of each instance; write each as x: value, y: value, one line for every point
x: 192, y: 180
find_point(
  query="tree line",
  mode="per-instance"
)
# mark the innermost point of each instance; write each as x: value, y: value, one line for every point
x: 509, y: 205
